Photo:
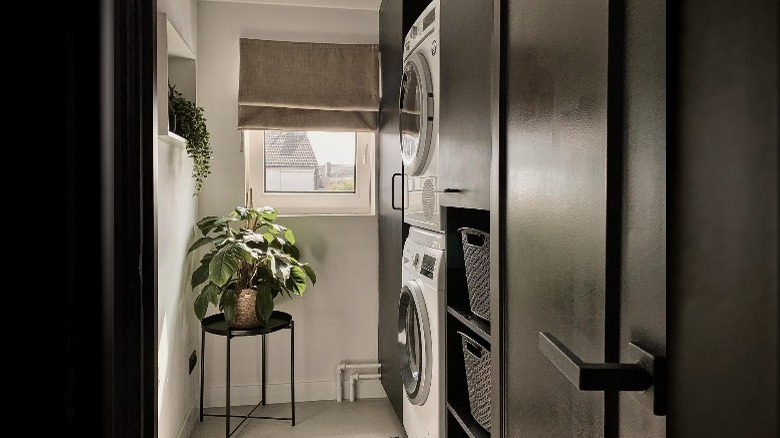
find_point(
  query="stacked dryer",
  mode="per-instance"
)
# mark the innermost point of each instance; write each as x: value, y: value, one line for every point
x: 422, y: 300
x: 419, y: 121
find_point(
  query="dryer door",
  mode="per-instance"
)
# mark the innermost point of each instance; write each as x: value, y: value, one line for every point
x: 416, y: 121
x: 414, y: 341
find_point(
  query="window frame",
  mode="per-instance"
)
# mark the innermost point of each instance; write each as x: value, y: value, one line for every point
x: 361, y: 202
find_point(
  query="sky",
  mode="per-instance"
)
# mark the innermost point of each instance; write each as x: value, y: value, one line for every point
x: 336, y: 147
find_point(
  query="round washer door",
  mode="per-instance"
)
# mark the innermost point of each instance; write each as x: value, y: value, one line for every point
x: 416, y: 120
x: 414, y: 341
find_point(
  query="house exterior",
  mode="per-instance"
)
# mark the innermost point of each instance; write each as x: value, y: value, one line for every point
x: 290, y: 163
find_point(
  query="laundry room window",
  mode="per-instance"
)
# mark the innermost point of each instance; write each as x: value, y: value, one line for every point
x: 310, y: 172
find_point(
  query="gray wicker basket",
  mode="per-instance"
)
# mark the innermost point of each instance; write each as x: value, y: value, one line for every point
x: 476, y: 358
x: 477, y: 260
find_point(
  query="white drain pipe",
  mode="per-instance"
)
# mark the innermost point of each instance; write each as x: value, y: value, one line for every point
x: 353, y: 381
x: 352, y: 366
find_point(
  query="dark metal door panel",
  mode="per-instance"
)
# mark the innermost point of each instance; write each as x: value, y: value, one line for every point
x: 723, y: 220
x: 465, y: 137
x: 390, y: 219
x: 555, y: 210
x: 643, y: 273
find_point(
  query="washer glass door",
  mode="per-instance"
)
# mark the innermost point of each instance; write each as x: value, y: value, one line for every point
x: 414, y: 343
x: 416, y: 107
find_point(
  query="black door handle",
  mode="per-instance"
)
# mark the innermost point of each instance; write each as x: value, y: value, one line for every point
x: 647, y: 374
x: 392, y: 192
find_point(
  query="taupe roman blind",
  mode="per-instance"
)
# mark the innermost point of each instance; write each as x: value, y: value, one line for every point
x: 308, y: 86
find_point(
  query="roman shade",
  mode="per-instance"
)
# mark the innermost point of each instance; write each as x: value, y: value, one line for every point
x: 308, y: 86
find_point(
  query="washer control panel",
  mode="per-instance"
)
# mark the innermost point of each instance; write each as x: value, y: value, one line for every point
x: 428, y: 264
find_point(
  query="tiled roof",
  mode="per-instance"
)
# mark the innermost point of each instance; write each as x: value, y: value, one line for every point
x: 288, y: 149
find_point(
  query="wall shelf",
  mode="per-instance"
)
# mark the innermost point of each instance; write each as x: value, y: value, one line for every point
x: 176, y: 65
x: 476, y: 324
x: 461, y: 413
x: 172, y: 137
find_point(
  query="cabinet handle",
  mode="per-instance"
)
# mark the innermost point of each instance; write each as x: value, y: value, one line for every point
x: 449, y: 190
x: 646, y: 374
x: 392, y: 192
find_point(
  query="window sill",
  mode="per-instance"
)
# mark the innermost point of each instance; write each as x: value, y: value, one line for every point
x: 295, y: 215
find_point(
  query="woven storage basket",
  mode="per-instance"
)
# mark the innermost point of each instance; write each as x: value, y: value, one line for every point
x: 476, y: 358
x: 477, y: 259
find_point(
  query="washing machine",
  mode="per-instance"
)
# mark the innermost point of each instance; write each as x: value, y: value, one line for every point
x: 421, y: 340
x: 419, y: 121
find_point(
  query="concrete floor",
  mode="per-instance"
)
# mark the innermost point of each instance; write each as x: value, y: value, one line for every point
x: 372, y: 418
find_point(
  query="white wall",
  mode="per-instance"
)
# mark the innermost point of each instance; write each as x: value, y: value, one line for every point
x: 183, y: 14
x: 336, y: 319
x: 177, y: 326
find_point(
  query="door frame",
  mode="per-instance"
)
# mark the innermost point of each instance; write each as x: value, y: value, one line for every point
x: 135, y: 224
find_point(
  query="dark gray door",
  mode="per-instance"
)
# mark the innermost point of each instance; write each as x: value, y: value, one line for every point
x: 554, y: 211
x: 642, y: 243
x: 390, y: 219
x: 585, y: 209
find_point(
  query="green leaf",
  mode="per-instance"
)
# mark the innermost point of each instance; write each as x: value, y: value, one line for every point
x: 267, y: 213
x: 272, y: 265
x: 201, y: 304
x: 292, y: 250
x: 241, y: 212
x: 201, y: 274
x: 244, y: 252
x: 297, y: 282
x: 222, y: 266
x: 229, y: 305
x: 207, y: 224
x: 283, y: 272
x: 212, y: 293
x: 251, y: 236
x: 264, y: 305
x: 269, y: 237
x: 309, y: 272
x: 203, y: 241
x: 288, y: 234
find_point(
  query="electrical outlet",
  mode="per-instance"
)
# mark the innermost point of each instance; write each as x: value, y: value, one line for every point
x: 193, y: 360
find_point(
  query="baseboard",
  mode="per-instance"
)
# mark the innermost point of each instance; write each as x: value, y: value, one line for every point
x: 186, y: 427
x: 280, y: 393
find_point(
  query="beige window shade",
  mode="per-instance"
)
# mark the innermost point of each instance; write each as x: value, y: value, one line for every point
x: 308, y: 86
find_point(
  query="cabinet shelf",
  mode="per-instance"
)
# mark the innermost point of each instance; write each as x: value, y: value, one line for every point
x: 474, y: 323
x: 460, y: 412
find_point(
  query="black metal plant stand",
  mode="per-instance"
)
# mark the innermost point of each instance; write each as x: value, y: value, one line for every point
x: 216, y: 325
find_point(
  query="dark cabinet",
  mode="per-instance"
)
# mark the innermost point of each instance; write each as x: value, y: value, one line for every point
x: 395, y: 18
x: 465, y: 103
x: 390, y: 218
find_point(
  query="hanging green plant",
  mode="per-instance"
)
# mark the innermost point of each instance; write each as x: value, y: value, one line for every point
x: 191, y: 125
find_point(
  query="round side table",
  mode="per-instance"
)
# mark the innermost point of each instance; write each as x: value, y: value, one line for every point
x: 216, y: 325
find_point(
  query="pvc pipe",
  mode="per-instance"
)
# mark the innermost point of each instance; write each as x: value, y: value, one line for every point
x: 353, y: 381
x: 349, y: 366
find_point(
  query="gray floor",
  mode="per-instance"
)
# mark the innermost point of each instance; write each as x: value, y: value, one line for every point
x: 323, y: 419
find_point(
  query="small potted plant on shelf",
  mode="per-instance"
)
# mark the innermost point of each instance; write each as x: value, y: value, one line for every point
x: 252, y: 260
x: 188, y: 121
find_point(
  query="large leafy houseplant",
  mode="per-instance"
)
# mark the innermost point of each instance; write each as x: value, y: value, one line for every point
x: 191, y: 125
x: 250, y: 257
